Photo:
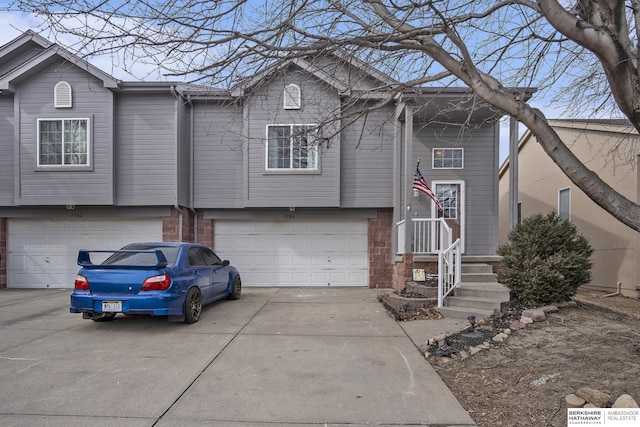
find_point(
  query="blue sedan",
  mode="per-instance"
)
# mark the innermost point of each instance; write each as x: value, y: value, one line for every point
x: 160, y: 279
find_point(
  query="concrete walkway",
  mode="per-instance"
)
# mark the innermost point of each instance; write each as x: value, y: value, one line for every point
x: 278, y: 356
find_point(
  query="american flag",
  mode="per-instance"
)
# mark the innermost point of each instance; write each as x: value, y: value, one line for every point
x: 421, y: 185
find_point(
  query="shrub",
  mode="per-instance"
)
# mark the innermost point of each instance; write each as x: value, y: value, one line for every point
x: 545, y: 260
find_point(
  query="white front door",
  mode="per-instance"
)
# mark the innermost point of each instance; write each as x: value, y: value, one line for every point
x: 295, y: 253
x: 452, y: 198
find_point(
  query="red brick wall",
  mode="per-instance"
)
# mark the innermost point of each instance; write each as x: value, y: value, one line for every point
x: 380, y: 249
x: 402, y: 272
x: 205, y: 231
x: 3, y: 253
x: 171, y: 226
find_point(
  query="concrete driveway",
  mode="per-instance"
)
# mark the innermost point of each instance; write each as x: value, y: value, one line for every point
x: 277, y: 356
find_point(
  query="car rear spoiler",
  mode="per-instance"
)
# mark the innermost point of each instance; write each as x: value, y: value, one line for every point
x: 84, y: 259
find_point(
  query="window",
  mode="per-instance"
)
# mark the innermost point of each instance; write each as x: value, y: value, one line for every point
x: 519, y: 214
x: 62, y: 95
x: 564, y: 204
x: 448, y: 158
x: 202, y: 257
x: 447, y: 195
x: 63, y: 142
x: 291, y: 147
x: 292, y: 97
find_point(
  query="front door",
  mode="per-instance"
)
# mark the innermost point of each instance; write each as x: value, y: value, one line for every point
x: 451, y: 197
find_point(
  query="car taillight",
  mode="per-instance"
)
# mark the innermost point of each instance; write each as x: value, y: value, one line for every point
x: 156, y: 283
x: 82, y: 284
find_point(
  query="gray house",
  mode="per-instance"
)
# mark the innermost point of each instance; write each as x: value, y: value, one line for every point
x: 301, y: 177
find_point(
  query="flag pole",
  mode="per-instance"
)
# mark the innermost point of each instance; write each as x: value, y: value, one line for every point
x: 410, y: 196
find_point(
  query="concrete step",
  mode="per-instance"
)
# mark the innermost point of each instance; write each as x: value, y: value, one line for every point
x: 478, y: 277
x: 464, y: 312
x: 473, y: 302
x: 483, y: 290
x: 476, y: 268
x: 479, y: 299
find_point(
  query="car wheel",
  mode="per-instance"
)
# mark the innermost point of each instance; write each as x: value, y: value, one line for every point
x: 106, y: 318
x: 237, y: 289
x: 192, y: 306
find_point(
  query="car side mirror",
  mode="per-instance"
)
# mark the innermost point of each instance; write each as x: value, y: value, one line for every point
x: 225, y: 262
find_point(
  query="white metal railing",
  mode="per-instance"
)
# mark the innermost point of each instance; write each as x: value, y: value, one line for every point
x: 430, y: 235
x: 449, y: 262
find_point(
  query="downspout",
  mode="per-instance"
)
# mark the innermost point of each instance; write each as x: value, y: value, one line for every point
x: 513, y: 173
x: 176, y: 205
x: 192, y: 172
x: 619, y: 285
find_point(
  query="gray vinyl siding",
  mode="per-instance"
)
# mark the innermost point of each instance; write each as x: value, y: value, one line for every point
x: 218, y: 159
x: 347, y: 74
x: 6, y: 150
x: 292, y: 188
x: 367, y: 161
x: 479, y: 175
x: 146, y: 149
x: 64, y: 186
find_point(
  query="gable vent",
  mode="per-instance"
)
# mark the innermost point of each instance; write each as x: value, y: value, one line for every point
x: 292, y: 97
x: 62, y: 95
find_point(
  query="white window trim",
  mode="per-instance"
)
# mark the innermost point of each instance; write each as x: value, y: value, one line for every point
x: 290, y: 169
x: 68, y: 93
x: 292, y: 97
x: 463, y: 208
x: 568, y: 190
x: 433, y: 158
x: 62, y: 119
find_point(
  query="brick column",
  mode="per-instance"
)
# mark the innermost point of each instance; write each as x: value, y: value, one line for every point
x: 170, y: 227
x: 380, y: 249
x: 205, y: 231
x: 403, y: 272
x: 171, y: 231
x: 3, y: 253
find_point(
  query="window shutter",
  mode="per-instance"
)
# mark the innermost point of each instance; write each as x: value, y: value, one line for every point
x: 292, y: 97
x: 62, y: 95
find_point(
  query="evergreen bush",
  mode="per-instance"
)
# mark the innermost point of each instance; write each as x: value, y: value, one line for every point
x: 545, y: 260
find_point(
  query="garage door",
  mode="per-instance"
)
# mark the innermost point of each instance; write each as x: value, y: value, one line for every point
x: 295, y: 253
x: 43, y: 253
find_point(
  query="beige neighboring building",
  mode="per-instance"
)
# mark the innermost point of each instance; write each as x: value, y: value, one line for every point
x: 609, y: 148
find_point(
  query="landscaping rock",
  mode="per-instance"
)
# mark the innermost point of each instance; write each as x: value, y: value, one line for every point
x: 526, y: 320
x: 625, y: 401
x: 517, y: 325
x: 477, y: 349
x: 574, y: 401
x: 535, y: 314
x: 549, y: 309
x: 597, y: 397
x: 500, y: 337
x: 566, y: 304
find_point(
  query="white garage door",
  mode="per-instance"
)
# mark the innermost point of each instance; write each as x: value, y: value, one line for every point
x: 44, y: 253
x: 295, y: 253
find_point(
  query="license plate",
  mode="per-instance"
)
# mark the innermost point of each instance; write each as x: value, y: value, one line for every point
x: 111, y: 306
